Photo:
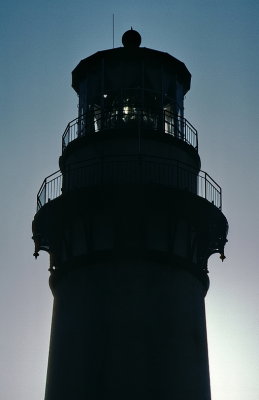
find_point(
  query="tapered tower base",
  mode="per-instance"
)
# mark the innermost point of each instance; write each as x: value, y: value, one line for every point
x: 130, y: 329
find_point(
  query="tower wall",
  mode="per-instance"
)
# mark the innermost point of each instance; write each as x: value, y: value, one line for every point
x: 129, y: 142
x: 121, y: 159
x: 130, y: 328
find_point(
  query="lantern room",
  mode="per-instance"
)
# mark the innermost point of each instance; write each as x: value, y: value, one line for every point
x: 120, y: 86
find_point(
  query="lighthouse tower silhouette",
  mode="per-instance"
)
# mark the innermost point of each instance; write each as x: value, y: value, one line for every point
x: 129, y: 221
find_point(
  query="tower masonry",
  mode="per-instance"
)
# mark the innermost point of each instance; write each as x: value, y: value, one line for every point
x: 129, y: 222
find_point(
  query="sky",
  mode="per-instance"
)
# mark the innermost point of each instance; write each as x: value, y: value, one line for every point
x: 41, y: 43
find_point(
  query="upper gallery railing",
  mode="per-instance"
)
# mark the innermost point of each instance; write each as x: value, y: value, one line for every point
x: 130, y: 170
x: 126, y: 117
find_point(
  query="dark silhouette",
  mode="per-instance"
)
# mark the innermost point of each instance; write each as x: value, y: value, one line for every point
x: 129, y: 221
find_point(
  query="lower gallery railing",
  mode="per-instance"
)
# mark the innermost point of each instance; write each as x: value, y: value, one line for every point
x: 130, y: 170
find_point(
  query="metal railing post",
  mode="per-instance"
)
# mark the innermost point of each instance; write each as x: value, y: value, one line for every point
x: 205, y: 188
x: 177, y: 174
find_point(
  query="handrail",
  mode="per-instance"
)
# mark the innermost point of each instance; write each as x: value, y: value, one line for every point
x: 159, y: 120
x: 50, y: 189
x: 142, y: 169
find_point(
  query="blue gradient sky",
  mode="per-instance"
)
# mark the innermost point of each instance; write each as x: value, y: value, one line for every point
x: 41, y: 42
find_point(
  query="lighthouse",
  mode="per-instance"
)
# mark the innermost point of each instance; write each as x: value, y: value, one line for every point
x: 129, y: 221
